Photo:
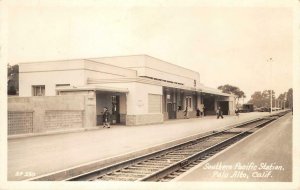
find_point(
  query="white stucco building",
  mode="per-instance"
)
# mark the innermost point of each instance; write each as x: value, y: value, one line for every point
x: 137, y: 89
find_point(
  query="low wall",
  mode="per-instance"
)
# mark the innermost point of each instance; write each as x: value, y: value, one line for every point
x: 144, y: 119
x: 191, y: 114
x: 166, y: 116
x: 20, y: 122
x: 45, y: 113
x: 63, y: 119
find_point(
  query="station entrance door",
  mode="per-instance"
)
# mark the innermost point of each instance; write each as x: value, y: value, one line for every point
x: 171, y: 110
x: 115, y: 112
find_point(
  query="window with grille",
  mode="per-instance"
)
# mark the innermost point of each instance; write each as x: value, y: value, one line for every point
x: 38, y: 90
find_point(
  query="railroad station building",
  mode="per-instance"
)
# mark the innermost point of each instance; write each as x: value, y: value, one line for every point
x: 137, y: 90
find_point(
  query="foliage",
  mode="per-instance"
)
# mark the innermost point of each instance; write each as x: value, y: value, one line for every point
x: 12, y: 79
x: 289, y: 98
x: 232, y: 90
x: 262, y: 99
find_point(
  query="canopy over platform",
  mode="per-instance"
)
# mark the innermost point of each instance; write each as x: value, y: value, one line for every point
x: 92, y: 88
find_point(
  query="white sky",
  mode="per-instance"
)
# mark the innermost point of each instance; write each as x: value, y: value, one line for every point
x: 225, y: 44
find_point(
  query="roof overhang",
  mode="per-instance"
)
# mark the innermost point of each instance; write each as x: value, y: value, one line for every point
x: 202, y: 88
x: 215, y: 92
x: 93, y: 88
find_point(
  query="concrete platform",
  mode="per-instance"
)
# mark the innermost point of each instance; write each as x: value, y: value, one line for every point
x: 265, y: 156
x: 34, y: 156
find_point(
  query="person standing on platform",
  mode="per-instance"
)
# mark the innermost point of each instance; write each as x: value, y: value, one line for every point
x: 219, y: 113
x: 106, y: 118
x: 198, y: 112
x: 201, y: 110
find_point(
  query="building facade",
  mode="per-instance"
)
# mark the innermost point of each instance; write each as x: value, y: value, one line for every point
x: 137, y: 89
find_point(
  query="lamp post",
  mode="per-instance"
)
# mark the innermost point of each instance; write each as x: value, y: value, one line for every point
x: 270, y: 60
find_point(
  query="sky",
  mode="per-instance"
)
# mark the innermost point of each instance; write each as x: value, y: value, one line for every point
x: 225, y: 44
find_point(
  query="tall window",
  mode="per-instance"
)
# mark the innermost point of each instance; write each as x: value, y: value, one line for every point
x: 188, y: 101
x: 38, y: 90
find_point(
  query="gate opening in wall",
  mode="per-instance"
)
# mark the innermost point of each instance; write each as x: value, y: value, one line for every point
x: 116, y: 105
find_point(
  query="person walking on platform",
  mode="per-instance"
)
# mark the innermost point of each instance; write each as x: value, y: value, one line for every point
x: 237, y: 112
x: 186, y: 113
x: 106, y: 118
x: 219, y: 113
x: 198, y: 112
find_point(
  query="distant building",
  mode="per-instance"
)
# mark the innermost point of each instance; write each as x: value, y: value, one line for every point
x: 137, y: 89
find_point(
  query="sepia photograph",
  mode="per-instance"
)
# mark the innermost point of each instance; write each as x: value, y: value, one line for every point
x: 150, y: 94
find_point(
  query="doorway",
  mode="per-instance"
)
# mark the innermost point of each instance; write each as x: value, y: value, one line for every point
x: 115, y: 112
x: 224, y: 106
x: 209, y: 105
x: 171, y: 111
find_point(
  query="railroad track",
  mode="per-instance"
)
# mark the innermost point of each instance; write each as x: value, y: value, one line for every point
x: 166, y: 164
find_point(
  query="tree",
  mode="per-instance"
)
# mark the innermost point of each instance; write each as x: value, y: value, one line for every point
x: 289, y: 97
x: 257, y: 99
x: 232, y: 90
x: 262, y: 99
x: 12, y: 79
x: 281, y: 96
x: 281, y: 99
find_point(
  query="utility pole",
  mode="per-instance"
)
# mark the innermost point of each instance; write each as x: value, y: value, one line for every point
x: 270, y: 60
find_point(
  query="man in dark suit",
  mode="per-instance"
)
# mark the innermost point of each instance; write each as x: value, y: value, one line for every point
x: 106, y: 118
x: 219, y: 113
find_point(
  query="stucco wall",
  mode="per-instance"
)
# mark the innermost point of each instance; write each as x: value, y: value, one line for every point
x: 167, y: 75
x: 73, y: 72
x: 137, y: 97
x: 51, y: 112
x: 51, y: 65
x: 123, y: 61
x: 103, y: 71
x: 137, y: 111
x: 161, y: 69
x: 152, y: 67
x: 49, y: 79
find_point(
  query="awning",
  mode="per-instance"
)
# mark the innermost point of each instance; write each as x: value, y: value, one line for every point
x: 92, y: 88
x: 202, y: 88
x: 213, y: 91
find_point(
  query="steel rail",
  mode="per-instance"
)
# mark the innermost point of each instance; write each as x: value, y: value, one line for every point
x: 93, y: 174
x: 177, y: 166
x: 99, y: 172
